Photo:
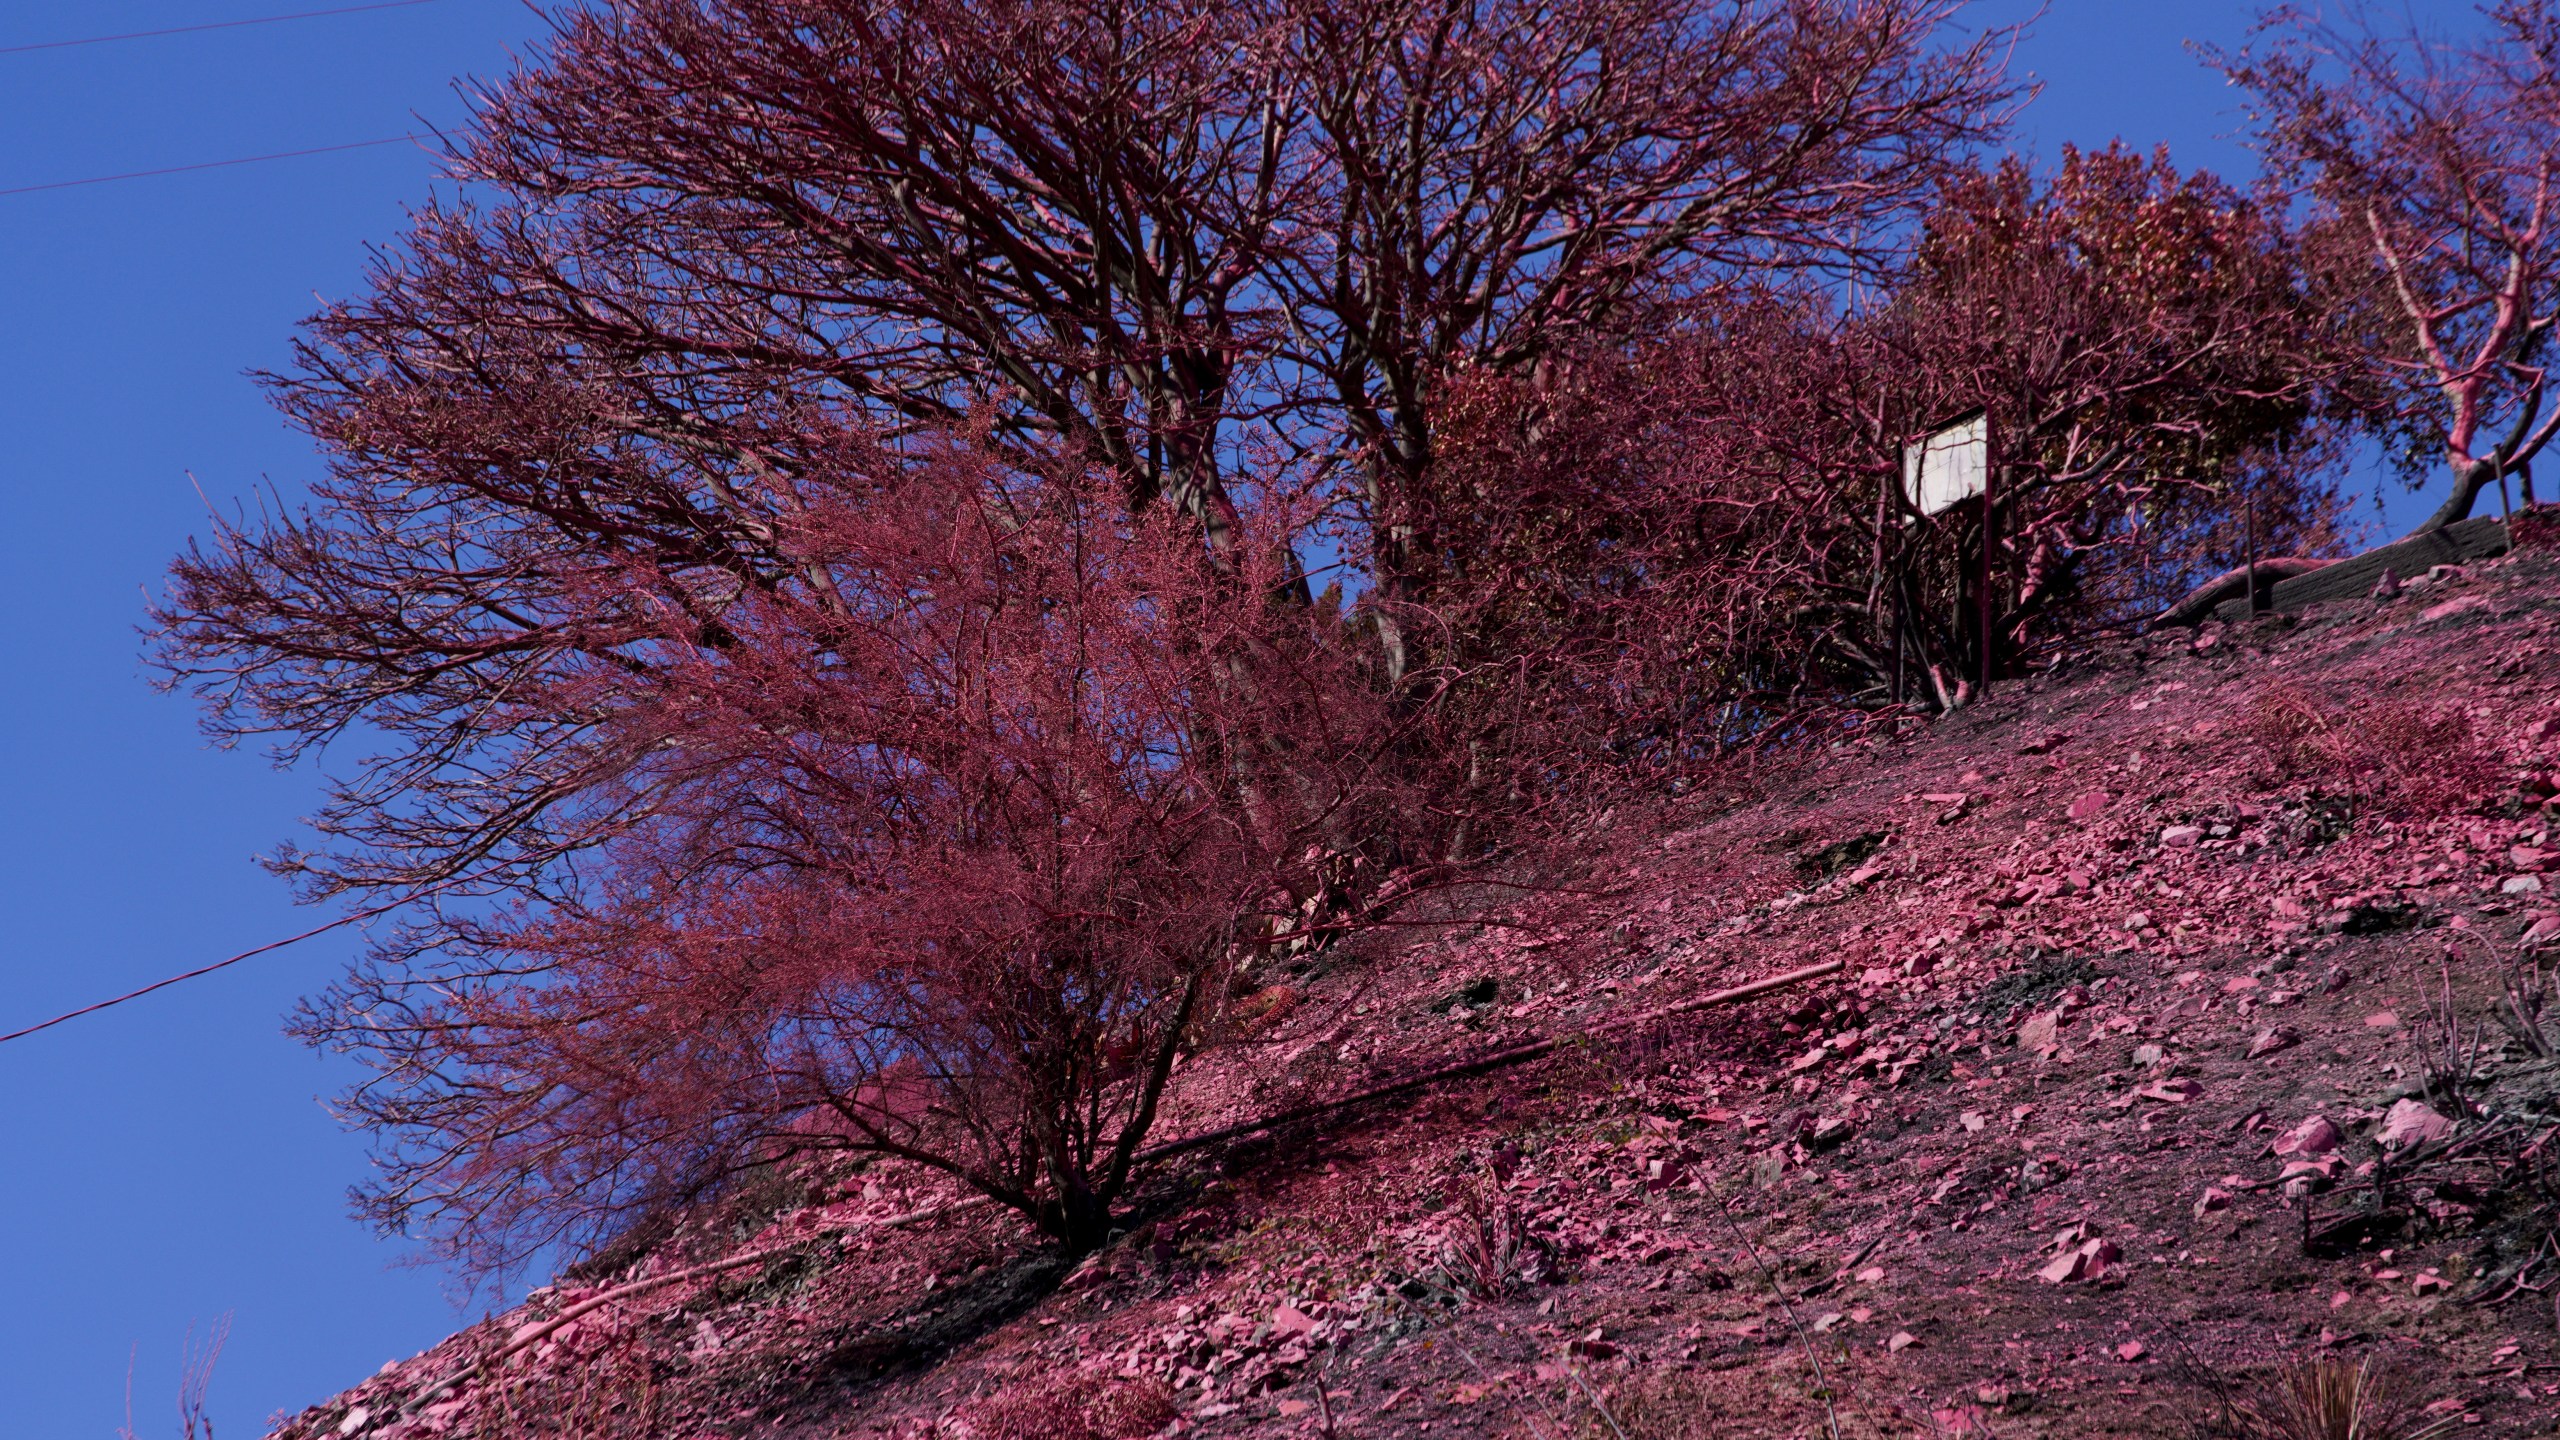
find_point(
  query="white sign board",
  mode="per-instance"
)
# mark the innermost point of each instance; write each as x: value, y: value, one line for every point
x: 1949, y: 466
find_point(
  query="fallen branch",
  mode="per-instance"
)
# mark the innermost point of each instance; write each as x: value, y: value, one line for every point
x: 534, y: 1334
x: 1499, y: 1060
x: 2198, y: 605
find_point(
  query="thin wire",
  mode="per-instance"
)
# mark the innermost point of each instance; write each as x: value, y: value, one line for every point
x: 211, y: 164
x: 192, y: 974
x: 214, y: 25
x: 343, y: 921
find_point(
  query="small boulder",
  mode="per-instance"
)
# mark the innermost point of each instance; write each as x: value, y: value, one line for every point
x: 2302, y: 1177
x: 2041, y: 1032
x: 2411, y: 1122
x: 2315, y: 1136
x: 2084, y: 1262
x: 2273, y: 1039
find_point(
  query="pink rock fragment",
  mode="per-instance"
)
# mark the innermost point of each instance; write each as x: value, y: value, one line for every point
x: 2411, y: 1122
x: 2041, y: 1030
x: 2273, y: 1039
x: 2315, y: 1136
x: 2086, y: 1261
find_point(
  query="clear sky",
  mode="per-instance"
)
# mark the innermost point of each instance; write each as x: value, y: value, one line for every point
x: 168, y: 1162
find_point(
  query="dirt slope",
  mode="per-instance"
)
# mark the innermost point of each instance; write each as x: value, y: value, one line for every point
x: 2122, y: 1101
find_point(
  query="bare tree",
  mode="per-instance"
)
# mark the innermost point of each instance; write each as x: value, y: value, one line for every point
x: 2434, y: 167
x: 605, y: 560
x: 1499, y: 183
x: 944, y: 848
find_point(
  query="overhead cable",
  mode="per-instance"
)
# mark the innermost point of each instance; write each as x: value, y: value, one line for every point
x: 207, y: 165
x: 423, y: 892
x: 211, y: 25
x: 316, y: 930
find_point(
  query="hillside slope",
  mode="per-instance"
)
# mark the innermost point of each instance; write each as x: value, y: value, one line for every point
x: 2135, y: 1088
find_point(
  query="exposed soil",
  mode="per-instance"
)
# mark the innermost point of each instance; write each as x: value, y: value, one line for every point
x: 2042, y: 1162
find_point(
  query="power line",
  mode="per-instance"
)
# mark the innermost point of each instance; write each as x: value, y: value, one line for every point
x: 369, y: 912
x: 213, y: 25
x: 210, y: 164
x: 190, y: 975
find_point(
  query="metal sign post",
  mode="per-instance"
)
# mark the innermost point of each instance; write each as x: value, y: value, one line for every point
x: 1948, y: 466
x: 2251, y: 510
x: 1987, y: 537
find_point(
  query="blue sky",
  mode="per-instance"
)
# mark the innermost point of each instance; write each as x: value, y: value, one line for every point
x: 169, y: 1161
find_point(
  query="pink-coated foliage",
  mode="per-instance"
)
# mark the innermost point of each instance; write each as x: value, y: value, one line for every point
x: 1707, y: 529
x: 937, y: 842
x: 1185, y: 241
x: 817, y: 532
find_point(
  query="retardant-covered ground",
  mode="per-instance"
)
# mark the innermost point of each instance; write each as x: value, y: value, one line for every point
x: 2166, y: 1055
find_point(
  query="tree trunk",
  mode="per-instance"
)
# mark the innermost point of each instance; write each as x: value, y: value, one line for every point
x: 1078, y: 1219
x: 2468, y: 482
x: 2198, y: 605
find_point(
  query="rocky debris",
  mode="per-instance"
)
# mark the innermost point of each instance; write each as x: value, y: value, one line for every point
x: 2273, y: 1039
x: 2217, y: 1105
x: 1475, y: 994
x: 1841, y: 855
x: 2412, y: 1122
x: 2079, y: 1256
x: 2315, y: 1136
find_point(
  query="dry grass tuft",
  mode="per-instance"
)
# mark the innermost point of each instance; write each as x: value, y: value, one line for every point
x: 2332, y: 1400
x: 1086, y: 1404
x: 1490, y: 1251
x: 2414, y: 757
x: 1683, y: 1405
x: 1659, y: 1406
